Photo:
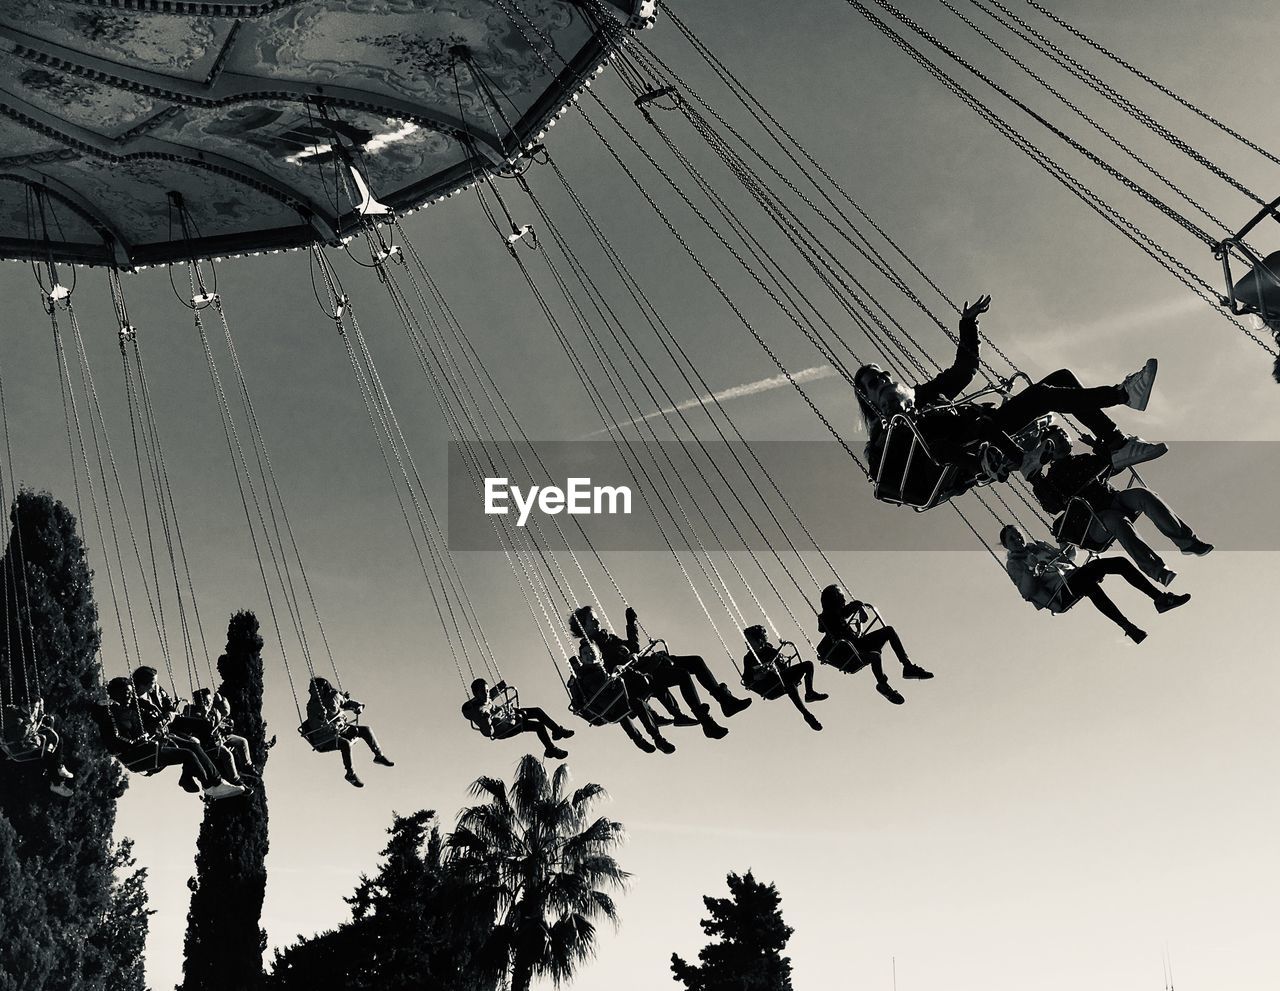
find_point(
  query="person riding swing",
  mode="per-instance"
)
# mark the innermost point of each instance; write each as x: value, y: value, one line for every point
x: 497, y: 714
x: 772, y: 672
x: 29, y: 736
x: 849, y: 648
x: 953, y: 429
x: 327, y: 726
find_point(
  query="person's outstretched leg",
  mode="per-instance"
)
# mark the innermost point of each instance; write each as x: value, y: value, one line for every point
x: 877, y: 639
x: 366, y: 734
x: 678, y: 716
x: 1087, y: 583
x: 1061, y: 392
x: 634, y: 736
x: 695, y: 666
x: 1163, y: 601
x: 1120, y: 527
x: 1149, y: 504
x: 803, y: 671
x: 344, y: 748
x: 558, y: 732
x: 641, y: 711
x: 532, y: 724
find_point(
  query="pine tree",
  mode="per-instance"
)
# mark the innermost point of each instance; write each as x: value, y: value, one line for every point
x: 67, y: 922
x: 225, y: 940
x: 750, y: 938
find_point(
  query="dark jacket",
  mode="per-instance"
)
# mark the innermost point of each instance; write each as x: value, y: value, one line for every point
x: 837, y: 624
x: 614, y: 651
x: 1082, y: 475
x: 943, y: 427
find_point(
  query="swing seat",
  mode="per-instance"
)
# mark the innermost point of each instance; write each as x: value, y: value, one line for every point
x: 908, y: 474
x: 504, y: 721
x: 770, y: 682
x: 1259, y: 290
x: 23, y: 750
x: 1080, y: 525
x: 599, y: 699
x: 323, y: 739
x: 843, y: 655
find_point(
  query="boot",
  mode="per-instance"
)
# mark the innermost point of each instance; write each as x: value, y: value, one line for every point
x: 710, y: 728
x: 813, y: 723
x: 889, y: 692
x: 555, y: 753
x: 560, y: 733
x: 729, y: 704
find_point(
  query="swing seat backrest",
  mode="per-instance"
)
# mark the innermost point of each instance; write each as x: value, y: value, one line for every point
x: 908, y: 474
x: 1079, y: 525
x: 322, y: 739
x: 1259, y: 290
x: 503, y: 715
x: 21, y: 751
x: 600, y: 698
x: 843, y: 655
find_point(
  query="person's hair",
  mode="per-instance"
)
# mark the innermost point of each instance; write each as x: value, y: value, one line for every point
x: 145, y: 673
x: 479, y: 685
x: 319, y: 685
x: 575, y: 620
x: 201, y: 693
x: 870, y: 415
x: 755, y: 632
x: 1007, y: 530
x: 118, y: 689
x: 832, y: 595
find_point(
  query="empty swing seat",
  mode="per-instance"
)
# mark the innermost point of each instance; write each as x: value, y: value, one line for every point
x: 1259, y: 290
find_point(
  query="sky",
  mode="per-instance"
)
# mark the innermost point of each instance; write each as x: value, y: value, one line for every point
x: 1056, y: 809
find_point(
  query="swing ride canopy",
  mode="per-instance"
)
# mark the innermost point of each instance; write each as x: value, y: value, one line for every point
x: 110, y: 106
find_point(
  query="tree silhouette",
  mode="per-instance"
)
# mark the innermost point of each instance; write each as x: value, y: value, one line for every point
x: 405, y: 933
x: 750, y: 937
x: 535, y: 868
x: 67, y: 921
x: 225, y: 940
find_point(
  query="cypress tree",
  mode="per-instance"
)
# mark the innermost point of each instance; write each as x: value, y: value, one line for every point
x: 67, y: 922
x: 750, y: 937
x: 225, y: 940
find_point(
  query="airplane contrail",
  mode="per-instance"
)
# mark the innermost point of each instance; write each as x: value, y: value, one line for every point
x: 814, y: 374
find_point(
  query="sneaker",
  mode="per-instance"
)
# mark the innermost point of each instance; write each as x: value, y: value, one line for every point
x: 916, y: 671
x: 351, y: 777
x: 223, y: 790
x: 555, y: 753
x: 1136, y: 451
x: 729, y: 704
x: 813, y: 723
x: 59, y: 789
x: 644, y: 745
x: 64, y: 774
x: 383, y: 760
x: 891, y: 693
x: 188, y: 784
x: 661, y: 720
x: 666, y: 746
x: 1136, y: 635
x: 1199, y: 548
x: 1138, y: 386
x: 816, y: 696
x: 560, y: 733
x: 1170, y: 601
x: 684, y: 719
x: 1166, y: 577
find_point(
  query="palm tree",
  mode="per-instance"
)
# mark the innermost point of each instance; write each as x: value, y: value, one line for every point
x: 536, y: 869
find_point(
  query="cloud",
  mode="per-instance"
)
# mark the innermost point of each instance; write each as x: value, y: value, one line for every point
x: 815, y: 374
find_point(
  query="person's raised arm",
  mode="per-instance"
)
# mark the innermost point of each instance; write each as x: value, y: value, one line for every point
x: 950, y: 382
x: 633, y: 630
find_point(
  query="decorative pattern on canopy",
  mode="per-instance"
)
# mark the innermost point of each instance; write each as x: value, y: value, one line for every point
x: 108, y: 106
